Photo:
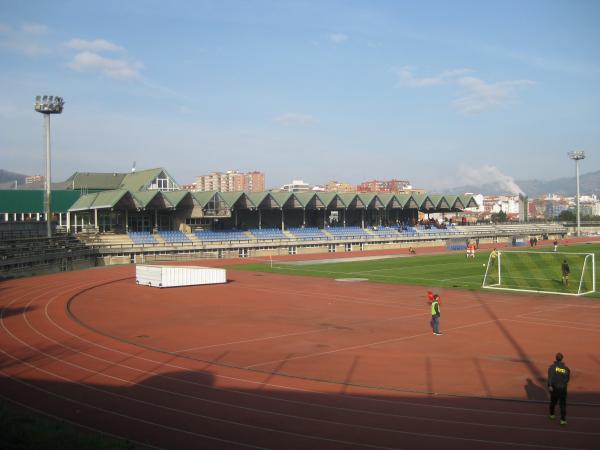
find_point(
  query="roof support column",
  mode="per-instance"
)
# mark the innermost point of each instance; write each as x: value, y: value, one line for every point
x: 259, y: 219
x: 303, y: 217
x: 156, y: 220
x: 75, y: 223
x: 68, y: 222
x: 324, y: 218
x: 362, y: 217
x: 126, y: 221
x: 60, y: 219
x: 282, y: 227
x: 96, y: 220
x: 6, y: 217
x: 344, y: 216
x: 37, y: 216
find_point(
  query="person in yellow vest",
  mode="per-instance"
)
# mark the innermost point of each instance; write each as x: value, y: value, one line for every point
x: 435, y: 315
x: 558, y: 379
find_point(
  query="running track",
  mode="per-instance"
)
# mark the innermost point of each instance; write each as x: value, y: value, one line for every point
x: 279, y: 362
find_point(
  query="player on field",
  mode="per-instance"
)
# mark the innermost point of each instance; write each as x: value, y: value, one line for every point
x: 493, y: 257
x: 565, y: 269
x: 470, y: 250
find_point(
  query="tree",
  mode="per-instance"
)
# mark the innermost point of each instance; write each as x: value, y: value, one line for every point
x: 567, y: 216
x: 498, y: 217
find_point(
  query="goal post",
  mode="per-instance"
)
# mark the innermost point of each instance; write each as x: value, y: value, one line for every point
x: 547, y: 272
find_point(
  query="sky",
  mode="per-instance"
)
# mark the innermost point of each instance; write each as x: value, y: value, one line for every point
x: 439, y: 93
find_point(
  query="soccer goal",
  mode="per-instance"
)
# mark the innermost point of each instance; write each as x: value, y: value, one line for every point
x: 527, y: 271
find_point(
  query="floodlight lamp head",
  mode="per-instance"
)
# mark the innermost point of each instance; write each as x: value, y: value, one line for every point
x: 49, y: 104
x: 577, y: 155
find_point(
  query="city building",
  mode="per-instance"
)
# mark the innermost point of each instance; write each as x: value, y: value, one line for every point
x: 383, y: 186
x: 35, y: 179
x: 296, y: 186
x: 338, y: 186
x: 230, y: 181
x: 254, y: 181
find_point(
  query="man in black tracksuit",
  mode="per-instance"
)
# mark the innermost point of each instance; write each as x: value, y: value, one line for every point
x: 558, y: 378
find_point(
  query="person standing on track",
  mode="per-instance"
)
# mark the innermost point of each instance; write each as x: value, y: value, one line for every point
x: 555, y: 245
x: 558, y: 378
x: 435, y: 315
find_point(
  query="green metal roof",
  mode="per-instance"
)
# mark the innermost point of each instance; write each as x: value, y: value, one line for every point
x: 390, y: 200
x: 330, y: 197
x: 139, y: 181
x: 281, y: 198
x: 95, y: 180
x: 84, y: 202
x: 352, y: 200
x: 99, y: 200
x: 425, y: 203
x: 305, y: 198
x: 261, y: 199
x: 370, y: 199
x: 143, y: 199
x: 468, y: 201
x: 455, y: 202
x: 32, y: 201
x: 175, y: 197
x: 440, y: 202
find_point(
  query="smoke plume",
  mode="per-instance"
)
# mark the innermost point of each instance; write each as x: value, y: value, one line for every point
x: 489, y: 175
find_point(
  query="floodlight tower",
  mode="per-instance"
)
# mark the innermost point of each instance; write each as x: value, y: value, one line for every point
x: 47, y: 105
x: 577, y: 156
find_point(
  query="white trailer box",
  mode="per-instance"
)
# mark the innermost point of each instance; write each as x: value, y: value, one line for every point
x: 171, y: 276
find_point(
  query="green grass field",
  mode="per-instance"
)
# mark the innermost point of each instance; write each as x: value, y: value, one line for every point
x: 450, y: 270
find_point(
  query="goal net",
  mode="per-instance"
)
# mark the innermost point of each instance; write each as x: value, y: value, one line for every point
x: 550, y: 272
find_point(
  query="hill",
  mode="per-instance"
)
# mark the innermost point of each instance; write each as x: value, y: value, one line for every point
x: 589, y: 183
x: 10, y: 177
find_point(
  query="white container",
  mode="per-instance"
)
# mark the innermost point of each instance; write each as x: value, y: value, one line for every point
x: 171, y: 276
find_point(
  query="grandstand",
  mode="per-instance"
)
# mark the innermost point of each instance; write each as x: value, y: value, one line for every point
x: 144, y: 214
x: 221, y: 236
x: 29, y: 255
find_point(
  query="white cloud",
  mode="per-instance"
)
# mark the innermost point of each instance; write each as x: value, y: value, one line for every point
x: 25, y: 40
x: 480, y: 96
x: 408, y: 79
x: 338, y: 38
x: 114, y: 68
x: 34, y: 28
x: 97, y: 45
x: 296, y: 119
x: 22, y: 46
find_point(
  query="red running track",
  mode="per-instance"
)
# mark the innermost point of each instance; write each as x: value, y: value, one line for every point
x: 281, y: 362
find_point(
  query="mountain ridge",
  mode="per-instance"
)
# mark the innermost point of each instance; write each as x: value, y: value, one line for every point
x: 589, y: 183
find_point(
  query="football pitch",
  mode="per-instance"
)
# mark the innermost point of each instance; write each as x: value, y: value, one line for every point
x: 450, y: 270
